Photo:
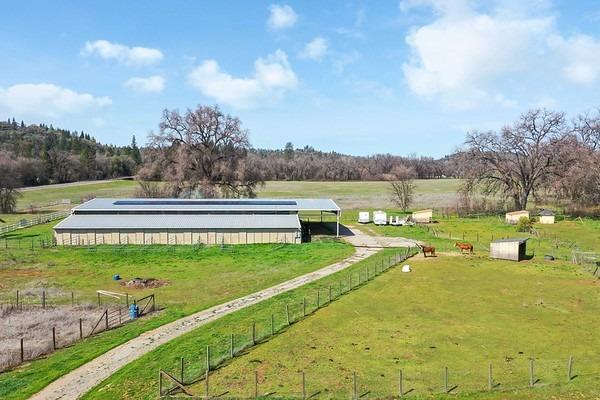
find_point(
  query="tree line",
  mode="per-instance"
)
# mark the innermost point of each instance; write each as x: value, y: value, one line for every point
x: 40, y: 154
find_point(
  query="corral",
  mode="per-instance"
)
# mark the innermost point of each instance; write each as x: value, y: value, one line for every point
x: 198, y: 221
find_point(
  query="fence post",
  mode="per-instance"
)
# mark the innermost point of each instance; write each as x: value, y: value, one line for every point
x: 253, y: 333
x: 231, y: 346
x: 106, y: 318
x: 80, y: 329
x: 22, y: 351
x: 400, y: 385
x: 354, y: 387
x: 329, y: 293
x: 72, y: 299
x: 490, y: 378
x: 303, y: 385
x: 43, y: 299
x: 445, y: 379
x: 181, y: 363
x: 206, y: 384
x: 98, y: 299
x: 287, y: 314
x: 53, y: 338
x: 17, y: 299
x: 207, y: 358
x: 318, y: 299
x: 570, y: 369
x: 159, y: 382
x: 272, y: 324
x: 304, y: 306
x: 531, y: 375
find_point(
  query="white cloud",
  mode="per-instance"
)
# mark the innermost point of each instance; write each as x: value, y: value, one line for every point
x: 151, y: 84
x: 281, y: 16
x: 132, y: 56
x: 315, y: 49
x: 461, y: 54
x: 272, y: 77
x: 48, y: 100
x: 580, y: 56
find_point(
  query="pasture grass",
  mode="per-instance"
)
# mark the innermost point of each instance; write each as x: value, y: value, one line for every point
x: 138, y: 380
x: 451, y: 311
x: 197, y: 278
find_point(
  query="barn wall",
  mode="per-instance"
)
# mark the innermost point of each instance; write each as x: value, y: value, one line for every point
x: 513, y: 219
x: 180, y: 237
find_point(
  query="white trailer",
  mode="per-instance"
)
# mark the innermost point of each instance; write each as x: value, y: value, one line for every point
x: 364, y: 217
x: 379, y: 218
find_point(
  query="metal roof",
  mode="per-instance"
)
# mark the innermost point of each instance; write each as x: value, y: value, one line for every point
x: 207, y: 205
x: 546, y: 213
x: 511, y: 240
x: 168, y: 221
x: 517, y: 212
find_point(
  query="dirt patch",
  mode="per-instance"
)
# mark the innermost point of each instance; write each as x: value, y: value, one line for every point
x: 144, y: 283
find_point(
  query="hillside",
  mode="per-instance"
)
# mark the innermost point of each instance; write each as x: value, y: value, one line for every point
x: 40, y: 154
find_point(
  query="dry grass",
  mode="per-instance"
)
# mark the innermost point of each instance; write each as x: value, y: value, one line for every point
x: 34, y: 325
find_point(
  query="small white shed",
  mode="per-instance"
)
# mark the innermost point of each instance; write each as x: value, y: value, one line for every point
x: 379, y: 217
x: 364, y: 217
x: 422, y: 216
x: 509, y: 249
x: 546, y: 217
x: 513, y: 217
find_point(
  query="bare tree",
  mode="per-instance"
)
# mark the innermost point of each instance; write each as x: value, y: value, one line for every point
x: 402, y: 185
x: 202, y: 152
x: 520, y: 159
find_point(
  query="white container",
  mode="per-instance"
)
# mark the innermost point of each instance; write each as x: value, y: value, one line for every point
x: 364, y: 217
x: 406, y: 268
x: 379, y: 218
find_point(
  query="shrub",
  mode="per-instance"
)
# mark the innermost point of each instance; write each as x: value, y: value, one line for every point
x: 524, y: 224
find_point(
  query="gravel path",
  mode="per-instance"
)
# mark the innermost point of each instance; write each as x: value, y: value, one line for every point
x: 79, y: 381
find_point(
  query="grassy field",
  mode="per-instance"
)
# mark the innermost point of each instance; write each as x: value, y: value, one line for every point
x: 351, y: 195
x: 138, y: 379
x: 559, y: 239
x: 455, y: 312
x: 436, y: 192
x: 196, y: 278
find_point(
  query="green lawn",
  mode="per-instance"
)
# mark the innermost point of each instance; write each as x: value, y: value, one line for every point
x: 197, y: 278
x: 138, y: 379
x: 457, y: 312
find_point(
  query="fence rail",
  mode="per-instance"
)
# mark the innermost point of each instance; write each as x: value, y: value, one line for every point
x: 42, y: 219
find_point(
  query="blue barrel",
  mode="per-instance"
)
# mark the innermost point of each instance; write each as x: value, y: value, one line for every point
x: 134, y: 311
x: 116, y: 277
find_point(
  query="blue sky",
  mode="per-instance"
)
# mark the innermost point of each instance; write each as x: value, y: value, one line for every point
x: 404, y: 77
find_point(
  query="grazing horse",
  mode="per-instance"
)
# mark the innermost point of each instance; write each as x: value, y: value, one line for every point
x: 464, y: 247
x: 428, y: 249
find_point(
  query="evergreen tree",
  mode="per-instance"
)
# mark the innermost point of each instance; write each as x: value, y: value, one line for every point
x: 135, y: 152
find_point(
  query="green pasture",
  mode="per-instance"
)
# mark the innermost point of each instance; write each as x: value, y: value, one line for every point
x: 458, y: 312
x: 195, y: 279
x: 138, y: 380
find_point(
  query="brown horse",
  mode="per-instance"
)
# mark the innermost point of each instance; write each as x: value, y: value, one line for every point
x: 464, y: 247
x: 428, y: 249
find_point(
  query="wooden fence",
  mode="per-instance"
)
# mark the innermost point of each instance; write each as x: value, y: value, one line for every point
x: 42, y: 219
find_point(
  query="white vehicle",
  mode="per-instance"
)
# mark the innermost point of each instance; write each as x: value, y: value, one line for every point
x: 364, y: 217
x: 379, y: 218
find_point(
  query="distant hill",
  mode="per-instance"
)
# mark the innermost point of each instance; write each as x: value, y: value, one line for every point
x: 41, y: 154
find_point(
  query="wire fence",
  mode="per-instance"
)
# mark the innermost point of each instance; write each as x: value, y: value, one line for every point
x: 216, y: 354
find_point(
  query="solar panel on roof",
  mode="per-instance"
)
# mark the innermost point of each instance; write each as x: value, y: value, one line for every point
x: 204, y: 203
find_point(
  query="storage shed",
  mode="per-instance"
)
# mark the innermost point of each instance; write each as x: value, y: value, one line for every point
x: 513, y: 217
x: 509, y: 249
x: 422, y: 216
x: 189, y: 221
x: 546, y: 217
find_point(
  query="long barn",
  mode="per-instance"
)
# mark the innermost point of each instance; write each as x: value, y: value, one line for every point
x: 191, y: 221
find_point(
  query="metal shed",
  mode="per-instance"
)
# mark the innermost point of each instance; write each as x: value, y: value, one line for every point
x: 422, y: 216
x: 189, y: 221
x: 509, y: 249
